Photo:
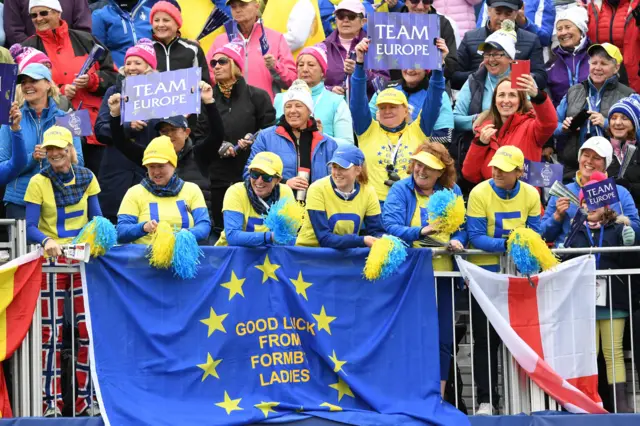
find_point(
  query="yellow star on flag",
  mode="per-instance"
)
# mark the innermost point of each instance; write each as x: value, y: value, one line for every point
x: 230, y: 404
x: 268, y: 270
x: 234, y: 286
x: 331, y: 406
x: 324, y: 320
x: 214, y: 322
x: 301, y: 286
x: 209, y: 367
x: 343, y: 388
x: 337, y: 364
x: 267, y: 407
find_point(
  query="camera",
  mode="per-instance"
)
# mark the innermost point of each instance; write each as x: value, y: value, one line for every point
x: 392, y: 175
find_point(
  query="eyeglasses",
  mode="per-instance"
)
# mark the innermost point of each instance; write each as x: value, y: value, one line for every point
x: 255, y: 175
x: 494, y: 55
x: 42, y: 13
x: 342, y: 15
x: 221, y: 61
x: 424, y: 2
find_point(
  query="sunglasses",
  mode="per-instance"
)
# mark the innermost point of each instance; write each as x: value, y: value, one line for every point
x: 341, y: 16
x: 42, y: 13
x: 265, y: 177
x: 221, y: 61
x: 424, y: 2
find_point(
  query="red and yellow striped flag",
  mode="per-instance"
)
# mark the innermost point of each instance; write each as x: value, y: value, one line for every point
x: 19, y: 289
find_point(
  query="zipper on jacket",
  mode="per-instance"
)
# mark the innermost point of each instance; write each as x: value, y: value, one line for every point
x: 132, y: 15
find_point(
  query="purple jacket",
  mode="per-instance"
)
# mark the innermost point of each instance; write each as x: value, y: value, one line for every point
x: 335, y: 62
x: 18, y: 25
x: 566, y: 70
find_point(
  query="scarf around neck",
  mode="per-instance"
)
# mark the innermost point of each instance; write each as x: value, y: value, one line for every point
x: 68, y: 195
x: 171, y: 189
x: 261, y: 205
x: 303, y: 145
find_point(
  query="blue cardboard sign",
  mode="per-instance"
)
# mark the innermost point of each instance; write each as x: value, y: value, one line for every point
x: 541, y: 175
x: 8, y: 78
x: 600, y: 194
x: 78, y: 122
x: 403, y: 41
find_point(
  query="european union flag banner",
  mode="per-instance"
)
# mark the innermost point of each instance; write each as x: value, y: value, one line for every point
x: 265, y: 335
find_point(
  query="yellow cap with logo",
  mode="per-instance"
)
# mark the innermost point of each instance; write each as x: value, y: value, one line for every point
x: 392, y: 96
x: 268, y: 162
x: 507, y: 158
x: 57, y: 136
x: 160, y: 151
x: 429, y: 160
x: 611, y: 50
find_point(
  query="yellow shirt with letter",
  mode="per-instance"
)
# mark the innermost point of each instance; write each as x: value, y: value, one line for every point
x: 440, y: 262
x: 380, y: 147
x: 237, y: 200
x: 60, y: 223
x: 502, y: 215
x: 176, y: 210
x: 345, y: 217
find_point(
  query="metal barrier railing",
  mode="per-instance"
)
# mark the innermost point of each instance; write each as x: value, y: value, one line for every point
x: 519, y: 394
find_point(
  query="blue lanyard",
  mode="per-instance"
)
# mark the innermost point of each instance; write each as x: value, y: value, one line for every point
x: 600, y: 245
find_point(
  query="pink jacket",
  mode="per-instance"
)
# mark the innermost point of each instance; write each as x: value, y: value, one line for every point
x: 256, y: 72
x: 460, y: 11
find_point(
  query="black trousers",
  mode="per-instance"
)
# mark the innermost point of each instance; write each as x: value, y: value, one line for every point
x: 217, y: 198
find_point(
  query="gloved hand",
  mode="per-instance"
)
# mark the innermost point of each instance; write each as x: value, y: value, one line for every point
x: 628, y: 236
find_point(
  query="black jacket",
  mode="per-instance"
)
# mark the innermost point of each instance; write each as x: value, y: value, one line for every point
x: 612, y: 238
x: 180, y: 54
x: 248, y: 110
x: 631, y: 178
x: 527, y: 47
x: 192, y: 160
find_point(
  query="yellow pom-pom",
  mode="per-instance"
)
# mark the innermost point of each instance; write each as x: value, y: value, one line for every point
x: 377, y: 258
x: 454, y: 217
x: 530, y: 252
x: 294, y: 212
x: 161, y: 247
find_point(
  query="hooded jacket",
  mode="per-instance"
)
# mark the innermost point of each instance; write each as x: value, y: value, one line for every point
x: 33, y: 127
x: 528, y: 131
x: 119, y: 30
x: 179, y: 54
x: 68, y: 49
x: 567, y: 69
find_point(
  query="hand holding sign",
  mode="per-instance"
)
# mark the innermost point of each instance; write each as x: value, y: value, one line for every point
x: 441, y: 44
x: 81, y: 81
x: 361, y: 49
x: 206, y: 93
x: 270, y: 61
x: 114, y: 104
x: 15, y: 115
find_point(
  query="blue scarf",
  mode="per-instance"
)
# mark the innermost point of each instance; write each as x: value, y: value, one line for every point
x: 68, y: 195
x: 171, y: 189
x: 257, y: 205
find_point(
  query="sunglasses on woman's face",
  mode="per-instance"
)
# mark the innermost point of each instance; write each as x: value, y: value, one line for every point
x: 424, y: 2
x: 42, y: 13
x: 341, y: 16
x: 221, y: 61
x: 255, y: 175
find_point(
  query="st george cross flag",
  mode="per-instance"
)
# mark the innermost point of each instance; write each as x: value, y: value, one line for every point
x: 549, y: 327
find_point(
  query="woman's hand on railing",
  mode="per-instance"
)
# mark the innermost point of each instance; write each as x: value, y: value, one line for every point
x: 52, y: 248
x: 455, y: 246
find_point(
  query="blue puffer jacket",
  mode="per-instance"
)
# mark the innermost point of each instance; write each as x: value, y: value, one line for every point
x: 119, y: 30
x: 399, y: 207
x: 275, y: 139
x: 32, y: 130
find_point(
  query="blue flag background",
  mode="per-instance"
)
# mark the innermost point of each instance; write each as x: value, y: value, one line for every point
x: 271, y: 335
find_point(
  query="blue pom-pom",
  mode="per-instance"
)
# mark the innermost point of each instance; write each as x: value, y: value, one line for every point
x: 524, y: 260
x: 439, y: 201
x: 106, y: 234
x: 395, y: 258
x: 186, y: 255
x: 284, y: 227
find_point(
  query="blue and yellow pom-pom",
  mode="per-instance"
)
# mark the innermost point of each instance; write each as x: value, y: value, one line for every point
x: 446, y: 211
x: 162, y: 245
x: 186, y: 255
x: 529, y: 252
x: 386, y: 255
x: 284, y: 219
x: 100, y: 234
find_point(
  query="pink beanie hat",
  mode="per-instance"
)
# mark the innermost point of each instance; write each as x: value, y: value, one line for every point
x: 170, y: 9
x: 144, y: 49
x: 28, y: 55
x: 319, y: 51
x: 595, y: 178
x: 233, y: 51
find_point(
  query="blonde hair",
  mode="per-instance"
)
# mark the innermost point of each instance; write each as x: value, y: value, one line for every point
x: 235, y: 70
x: 53, y: 92
x: 363, y: 177
x: 148, y: 71
x: 73, y: 153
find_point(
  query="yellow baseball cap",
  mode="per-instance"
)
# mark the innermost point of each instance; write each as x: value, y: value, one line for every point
x: 268, y: 162
x: 507, y: 158
x: 611, y: 50
x: 57, y: 136
x: 429, y: 160
x: 160, y: 151
x: 392, y: 96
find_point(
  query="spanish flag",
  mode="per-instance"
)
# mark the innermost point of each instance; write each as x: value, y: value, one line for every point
x: 19, y: 289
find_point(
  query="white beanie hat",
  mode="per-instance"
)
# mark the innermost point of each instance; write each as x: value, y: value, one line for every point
x: 51, y: 4
x: 575, y: 14
x: 299, y: 91
x: 505, y: 38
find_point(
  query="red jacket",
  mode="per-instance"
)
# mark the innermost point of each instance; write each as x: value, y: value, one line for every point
x: 618, y: 26
x: 529, y: 132
x: 68, y: 50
